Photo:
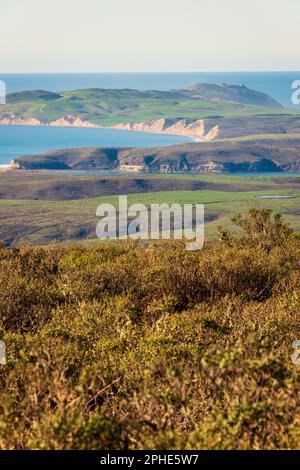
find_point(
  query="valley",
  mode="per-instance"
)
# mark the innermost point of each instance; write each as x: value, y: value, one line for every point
x: 42, y: 207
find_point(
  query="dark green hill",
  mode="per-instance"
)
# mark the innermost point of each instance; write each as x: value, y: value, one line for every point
x: 23, y: 96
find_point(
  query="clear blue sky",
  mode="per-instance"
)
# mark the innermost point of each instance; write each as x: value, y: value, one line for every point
x: 148, y: 35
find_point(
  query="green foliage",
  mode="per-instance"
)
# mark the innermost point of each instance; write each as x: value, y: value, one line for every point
x: 263, y: 229
x: 133, y: 347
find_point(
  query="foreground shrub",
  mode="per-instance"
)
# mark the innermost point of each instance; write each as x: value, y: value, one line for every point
x: 132, y: 347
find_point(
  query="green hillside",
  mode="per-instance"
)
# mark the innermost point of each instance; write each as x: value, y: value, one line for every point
x: 107, y: 107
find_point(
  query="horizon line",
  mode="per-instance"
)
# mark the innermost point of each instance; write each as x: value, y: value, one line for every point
x: 149, y: 72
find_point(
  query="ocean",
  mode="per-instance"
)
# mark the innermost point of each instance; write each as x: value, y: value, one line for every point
x: 276, y: 84
x: 16, y: 141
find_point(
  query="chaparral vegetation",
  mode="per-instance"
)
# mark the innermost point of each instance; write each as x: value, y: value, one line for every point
x: 124, y: 346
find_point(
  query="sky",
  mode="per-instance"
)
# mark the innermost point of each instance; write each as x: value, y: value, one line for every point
x: 149, y: 35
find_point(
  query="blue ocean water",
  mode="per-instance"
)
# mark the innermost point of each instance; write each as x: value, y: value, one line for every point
x: 276, y: 84
x: 16, y: 141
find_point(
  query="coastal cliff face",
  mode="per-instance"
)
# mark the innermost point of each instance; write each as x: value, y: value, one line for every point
x: 13, y: 120
x: 15, y: 165
x: 64, y: 121
x: 71, y: 121
x: 187, y: 127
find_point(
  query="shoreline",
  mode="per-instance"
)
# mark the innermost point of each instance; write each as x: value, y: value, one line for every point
x: 126, y: 173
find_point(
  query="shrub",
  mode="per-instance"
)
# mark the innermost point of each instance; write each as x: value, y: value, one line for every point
x: 132, y: 347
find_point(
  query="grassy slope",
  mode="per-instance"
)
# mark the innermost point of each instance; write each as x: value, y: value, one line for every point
x: 115, y: 111
x: 107, y: 107
x: 255, y: 137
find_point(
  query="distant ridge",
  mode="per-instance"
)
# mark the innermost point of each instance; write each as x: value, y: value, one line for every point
x: 262, y: 155
x: 23, y: 96
x: 199, y: 91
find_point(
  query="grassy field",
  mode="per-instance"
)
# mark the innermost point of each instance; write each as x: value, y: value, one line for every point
x: 255, y: 137
x: 42, y: 221
x: 115, y: 111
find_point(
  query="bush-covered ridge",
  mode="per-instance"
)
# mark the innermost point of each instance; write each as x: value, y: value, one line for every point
x: 131, y: 347
x: 270, y: 154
